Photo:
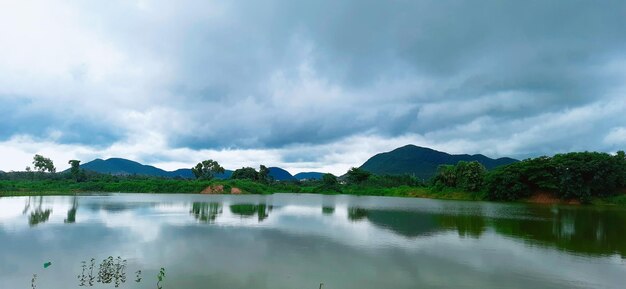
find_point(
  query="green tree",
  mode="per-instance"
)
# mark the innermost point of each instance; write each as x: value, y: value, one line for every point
x: 357, y: 175
x: 246, y: 173
x: 470, y: 175
x: 75, y: 169
x: 206, y: 170
x: 329, y: 180
x: 43, y: 164
x: 264, y: 175
x: 330, y: 183
x: 581, y: 176
x: 446, y: 176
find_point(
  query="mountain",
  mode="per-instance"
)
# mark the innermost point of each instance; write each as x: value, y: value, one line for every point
x: 280, y: 174
x: 225, y: 175
x: 423, y: 162
x: 119, y: 166
x: 309, y: 176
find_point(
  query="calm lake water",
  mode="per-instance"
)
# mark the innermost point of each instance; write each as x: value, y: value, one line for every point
x: 299, y: 241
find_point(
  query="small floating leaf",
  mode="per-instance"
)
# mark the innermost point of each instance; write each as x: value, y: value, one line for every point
x: 47, y: 264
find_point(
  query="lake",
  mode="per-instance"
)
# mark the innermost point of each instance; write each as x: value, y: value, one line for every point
x: 300, y: 240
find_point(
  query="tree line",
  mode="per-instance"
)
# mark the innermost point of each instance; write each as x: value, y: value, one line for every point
x: 579, y: 175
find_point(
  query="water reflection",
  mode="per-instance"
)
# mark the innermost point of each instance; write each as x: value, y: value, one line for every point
x: 417, y: 223
x: 314, y: 239
x: 582, y: 230
x: 588, y: 231
x: 356, y: 214
x: 466, y: 225
x: 111, y: 207
x: 248, y: 210
x: 206, y: 212
x: 37, y: 215
x: 71, y: 213
x: 405, y: 223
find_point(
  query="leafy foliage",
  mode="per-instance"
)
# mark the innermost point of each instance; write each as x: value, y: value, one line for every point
x: 246, y: 173
x: 43, y: 164
x: 357, y: 175
x: 586, y: 176
x: 468, y: 176
x: 330, y: 183
x: 75, y: 171
x: 264, y: 175
x: 206, y: 170
x: 581, y: 175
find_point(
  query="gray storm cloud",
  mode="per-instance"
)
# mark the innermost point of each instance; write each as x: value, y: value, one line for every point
x: 497, y: 77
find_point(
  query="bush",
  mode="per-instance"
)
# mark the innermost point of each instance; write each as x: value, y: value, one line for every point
x: 582, y: 176
x: 468, y: 176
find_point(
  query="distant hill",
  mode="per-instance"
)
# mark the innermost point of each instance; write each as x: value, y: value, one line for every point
x: 280, y: 175
x: 119, y: 166
x: 423, y: 162
x: 309, y: 176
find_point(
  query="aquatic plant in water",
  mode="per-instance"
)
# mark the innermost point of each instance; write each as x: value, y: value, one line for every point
x: 112, y: 271
x: 32, y: 282
x: 160, y: 278
x: 82, y: 279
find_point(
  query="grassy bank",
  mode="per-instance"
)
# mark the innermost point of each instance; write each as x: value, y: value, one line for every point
x: 157, y: 185
x: 69, y: 187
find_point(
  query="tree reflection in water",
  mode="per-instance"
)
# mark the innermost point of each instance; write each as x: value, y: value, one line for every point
x: 206, y: 212
x: 356, y: 214
x: 593, y: 231
x: 39, y: 215
x: 248, y: 210
x: 328, y: 210
x: 71, y: 213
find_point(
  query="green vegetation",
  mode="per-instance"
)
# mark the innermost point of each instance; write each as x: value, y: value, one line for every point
x: 357, y: 176
x: 43, y: 164
x: 330, y: 183
x: 248, y: 173
x: 75, y: 170
x: 579, y: 176
x: 110, y: 271
x: 586, y: 177
x: 468, y: 176
x: 206, y: 170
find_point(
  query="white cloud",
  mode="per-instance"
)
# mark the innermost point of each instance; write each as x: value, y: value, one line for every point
x: 617, y: 136
x: 304, y: 85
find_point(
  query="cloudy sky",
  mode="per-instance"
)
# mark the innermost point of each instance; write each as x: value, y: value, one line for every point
x: 308, y: 85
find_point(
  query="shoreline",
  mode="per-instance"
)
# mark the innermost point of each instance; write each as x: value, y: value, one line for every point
x: 418, y: 193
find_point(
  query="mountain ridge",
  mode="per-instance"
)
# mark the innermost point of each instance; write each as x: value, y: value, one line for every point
x: 280, y: 174
x: 121, y: 166
x: 422, y: 162
x: 308, y: 176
